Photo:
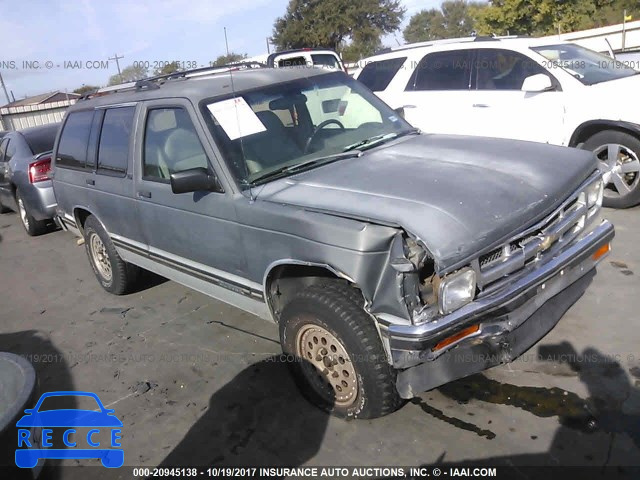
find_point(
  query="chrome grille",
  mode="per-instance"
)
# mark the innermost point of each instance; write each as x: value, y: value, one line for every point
x: 534, y: 244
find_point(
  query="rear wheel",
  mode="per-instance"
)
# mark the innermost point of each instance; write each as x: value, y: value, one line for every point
x: 32, y: 226
x: 114, y: 274
x: 335, y: 353
x: 619, y: 155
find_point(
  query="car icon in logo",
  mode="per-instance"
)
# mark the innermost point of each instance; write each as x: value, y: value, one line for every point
x: 69, y: 420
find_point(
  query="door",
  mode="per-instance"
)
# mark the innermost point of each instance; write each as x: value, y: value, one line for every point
x: 111, y: 148
x: 437, y: 97
x: 194, y: 231
x: 500, y: 106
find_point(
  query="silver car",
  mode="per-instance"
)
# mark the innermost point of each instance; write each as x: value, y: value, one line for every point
x: 393, y: 261
x: 25, y: 185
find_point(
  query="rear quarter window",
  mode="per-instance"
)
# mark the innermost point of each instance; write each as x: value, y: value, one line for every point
x: 325, y: 60
x: 72, y: 148
x: 377, y: 75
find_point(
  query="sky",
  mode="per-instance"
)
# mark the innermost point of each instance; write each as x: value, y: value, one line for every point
x: 63, y: 44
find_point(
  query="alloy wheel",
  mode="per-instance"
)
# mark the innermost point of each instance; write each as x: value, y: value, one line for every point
x: 100, y: 256
x: 23, y: 213
x: 621, y: 169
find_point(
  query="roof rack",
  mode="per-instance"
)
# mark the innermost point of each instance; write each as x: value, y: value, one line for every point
x: 155, y: 82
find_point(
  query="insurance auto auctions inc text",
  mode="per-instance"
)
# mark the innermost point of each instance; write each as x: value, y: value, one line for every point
x: 376, y: 472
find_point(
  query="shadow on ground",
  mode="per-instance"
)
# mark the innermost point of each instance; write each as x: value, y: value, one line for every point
x: 146, y: 281
x: 53, y: 374
x: 588, y: 427
x: 257, y: 419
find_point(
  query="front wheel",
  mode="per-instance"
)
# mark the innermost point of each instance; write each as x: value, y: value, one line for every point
x: 619, y: 156
x: 114, y: 274
x: 335, y: 353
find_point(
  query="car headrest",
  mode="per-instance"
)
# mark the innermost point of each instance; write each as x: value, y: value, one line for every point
x: 162, y: 120
x: 270, y: 120
x: 181, y: 144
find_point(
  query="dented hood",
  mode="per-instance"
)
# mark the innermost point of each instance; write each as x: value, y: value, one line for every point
x: 458, y: 195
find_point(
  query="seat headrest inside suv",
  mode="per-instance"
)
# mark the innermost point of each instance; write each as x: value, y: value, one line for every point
x: 182, y: 144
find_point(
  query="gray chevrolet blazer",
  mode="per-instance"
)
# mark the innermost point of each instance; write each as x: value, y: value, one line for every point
x: 393, y: 261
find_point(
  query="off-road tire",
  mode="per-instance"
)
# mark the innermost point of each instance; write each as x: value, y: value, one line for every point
x: 338, y: 309
x: 123, y: 275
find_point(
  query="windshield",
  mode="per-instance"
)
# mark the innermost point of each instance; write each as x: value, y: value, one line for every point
x: 586, y: 65
x: 285, y: 125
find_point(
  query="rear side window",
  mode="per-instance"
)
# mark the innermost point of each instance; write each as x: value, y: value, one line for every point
x: 11, y: 150
x: 325, y: 60
x: 292, y: 62
x: 113, y: 149
x: 377, y: 75
x: 72, y: 148
x: 3, y: 148
x: 442, y: 71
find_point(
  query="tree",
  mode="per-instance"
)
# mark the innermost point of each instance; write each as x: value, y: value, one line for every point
x: 229, y: 58
x: 358, y: 49
x: 85, y: 89
x: 455, y: 18
x: 546, y: 17
x: 167, y: 68
x: 333, y: 23
x: 129, y: 74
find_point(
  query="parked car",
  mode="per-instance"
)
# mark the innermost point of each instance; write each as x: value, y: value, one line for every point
x: 25, y: 185
x: 542, y: 90
x: 392, y: 261
x: 309, y: 57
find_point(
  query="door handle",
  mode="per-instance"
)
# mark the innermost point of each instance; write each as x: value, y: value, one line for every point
x: 144, y: 194
x: 90, y: 181
x: 480, y: 105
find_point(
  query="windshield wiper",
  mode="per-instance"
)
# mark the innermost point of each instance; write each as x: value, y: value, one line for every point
x: 378, y: 139
x: 298, y: 167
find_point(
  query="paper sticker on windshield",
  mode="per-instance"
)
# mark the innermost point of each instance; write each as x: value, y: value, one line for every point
x: 236, y: 118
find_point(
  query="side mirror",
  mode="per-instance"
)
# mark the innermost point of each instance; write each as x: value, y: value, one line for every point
x: 194, y: 180
x: 537, y: 83
x: 399, y: 111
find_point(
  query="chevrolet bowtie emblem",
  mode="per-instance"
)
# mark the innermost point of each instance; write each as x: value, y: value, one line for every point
x: 546, y: 242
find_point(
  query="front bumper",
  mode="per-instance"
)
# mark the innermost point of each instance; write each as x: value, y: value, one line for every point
x: 510, y: 321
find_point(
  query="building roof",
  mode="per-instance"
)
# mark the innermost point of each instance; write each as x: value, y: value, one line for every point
x: 43, y: 98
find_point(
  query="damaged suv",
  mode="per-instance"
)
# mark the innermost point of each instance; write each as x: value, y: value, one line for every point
x: 392, y: 261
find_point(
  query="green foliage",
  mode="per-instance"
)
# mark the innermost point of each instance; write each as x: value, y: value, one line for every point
x: 85, y: 89
x: 331, y: 23
x: 167, y: 69
x: 455, y: 18
x: 546, y: 17
x: 129, y: 74
x: 358, y: 49
x: 230, y: 58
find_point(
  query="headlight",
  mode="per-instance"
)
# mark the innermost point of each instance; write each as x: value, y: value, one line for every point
x: 457, y: 290
x: 594, y: 194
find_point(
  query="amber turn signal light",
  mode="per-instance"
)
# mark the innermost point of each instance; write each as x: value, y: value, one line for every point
x: 603, y: 250
x: 454, y: 338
